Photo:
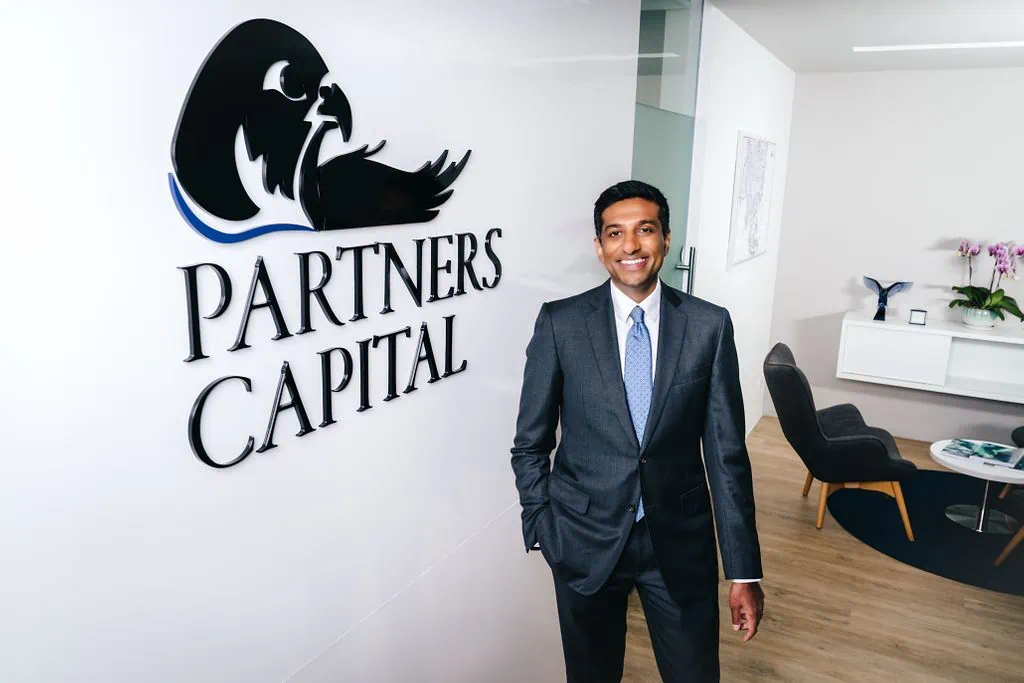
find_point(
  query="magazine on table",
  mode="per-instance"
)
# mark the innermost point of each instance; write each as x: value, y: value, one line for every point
x: 991, y: 453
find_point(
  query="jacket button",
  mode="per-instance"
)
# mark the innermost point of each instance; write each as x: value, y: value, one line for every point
x: 631, y: 508
x: 643, y: 461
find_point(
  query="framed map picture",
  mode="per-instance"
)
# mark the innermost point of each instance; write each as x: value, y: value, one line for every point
x: 751, y: 198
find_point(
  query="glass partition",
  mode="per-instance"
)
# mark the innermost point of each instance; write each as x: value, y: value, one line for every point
x: 666, y: 94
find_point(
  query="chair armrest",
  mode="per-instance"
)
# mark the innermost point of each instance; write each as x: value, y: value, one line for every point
x: 869, y: 456
x: 901, y: 465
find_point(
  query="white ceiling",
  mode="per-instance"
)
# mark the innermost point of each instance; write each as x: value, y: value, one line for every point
x: 817, y: 35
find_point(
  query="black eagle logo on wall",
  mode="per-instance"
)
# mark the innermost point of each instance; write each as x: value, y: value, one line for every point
x: 264, y: 77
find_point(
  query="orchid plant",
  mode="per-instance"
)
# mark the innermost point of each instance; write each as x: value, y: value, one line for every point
x: 991, y: 298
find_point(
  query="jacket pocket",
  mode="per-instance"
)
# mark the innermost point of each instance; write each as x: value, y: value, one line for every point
x: 695, y: 500
x: 566, y: 493
x: 691, y: 376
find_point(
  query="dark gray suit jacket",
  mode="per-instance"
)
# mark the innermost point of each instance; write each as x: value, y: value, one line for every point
x: 581, y: 508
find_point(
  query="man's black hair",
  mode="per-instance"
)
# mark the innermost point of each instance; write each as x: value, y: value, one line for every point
x: 631, y: 189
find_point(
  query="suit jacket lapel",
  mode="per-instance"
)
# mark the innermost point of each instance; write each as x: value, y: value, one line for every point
x: 604, y: 338
x: 670, y: 344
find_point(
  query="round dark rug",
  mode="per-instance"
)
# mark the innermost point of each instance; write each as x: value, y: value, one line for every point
x: 941, y: 547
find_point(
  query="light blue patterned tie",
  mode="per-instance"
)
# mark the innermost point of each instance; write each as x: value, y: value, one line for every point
x: 637, y: 376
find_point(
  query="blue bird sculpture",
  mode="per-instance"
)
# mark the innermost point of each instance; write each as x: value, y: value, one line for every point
x: 884, y: 293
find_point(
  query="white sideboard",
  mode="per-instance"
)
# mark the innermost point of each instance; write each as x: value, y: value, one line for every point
x: 941, y: 356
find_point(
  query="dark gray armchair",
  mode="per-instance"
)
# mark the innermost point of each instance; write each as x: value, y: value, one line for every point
x: 1018, y: 538
x: 835, y: 445
x: 1018, y: 440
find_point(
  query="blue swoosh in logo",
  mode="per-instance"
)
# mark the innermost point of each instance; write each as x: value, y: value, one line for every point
x: 212, y: 233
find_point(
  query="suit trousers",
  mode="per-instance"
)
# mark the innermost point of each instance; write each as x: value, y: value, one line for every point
x: 594, y: 626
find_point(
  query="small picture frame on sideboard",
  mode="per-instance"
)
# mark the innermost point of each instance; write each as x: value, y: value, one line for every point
x: 918, y: 316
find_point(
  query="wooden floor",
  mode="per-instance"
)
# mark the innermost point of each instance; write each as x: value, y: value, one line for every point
x: 837, y: 610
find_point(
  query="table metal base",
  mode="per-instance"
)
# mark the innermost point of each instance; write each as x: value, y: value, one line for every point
x: 979, y: 518
x: 994, y: 521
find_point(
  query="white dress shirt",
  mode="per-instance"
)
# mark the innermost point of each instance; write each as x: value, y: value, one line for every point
x: 622, y: 306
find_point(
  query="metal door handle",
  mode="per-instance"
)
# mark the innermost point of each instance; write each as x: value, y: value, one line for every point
x: 688, y: 267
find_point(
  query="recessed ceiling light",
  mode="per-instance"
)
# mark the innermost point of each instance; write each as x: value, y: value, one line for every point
x: 936, y: 46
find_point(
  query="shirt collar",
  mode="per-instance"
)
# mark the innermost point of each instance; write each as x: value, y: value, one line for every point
x: 623, y: 305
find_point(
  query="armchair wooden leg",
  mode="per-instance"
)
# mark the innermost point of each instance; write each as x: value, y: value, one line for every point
x: 897, y: 492
x: 889, y: 488
x: 822, y: 498
x: 807, y: 484
x: 1014, y: 542
x: 1006, y: 491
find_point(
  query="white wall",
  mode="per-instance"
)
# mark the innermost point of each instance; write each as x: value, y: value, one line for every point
x: 888, y: 170
x: 384, y: 548
x: 741, y: 86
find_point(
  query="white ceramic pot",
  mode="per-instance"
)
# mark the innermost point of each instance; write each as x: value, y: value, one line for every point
x: 978, y: 317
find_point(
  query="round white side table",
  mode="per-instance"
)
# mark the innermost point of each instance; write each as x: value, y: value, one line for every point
x: 979, y: 517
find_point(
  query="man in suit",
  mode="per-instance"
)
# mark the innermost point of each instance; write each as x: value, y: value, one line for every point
x: 639, y: 375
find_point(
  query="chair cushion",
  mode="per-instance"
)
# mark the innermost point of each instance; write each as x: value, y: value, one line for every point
x: 841, y: 420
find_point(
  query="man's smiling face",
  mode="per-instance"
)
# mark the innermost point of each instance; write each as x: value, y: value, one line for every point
x: 632, y: 246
